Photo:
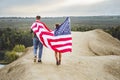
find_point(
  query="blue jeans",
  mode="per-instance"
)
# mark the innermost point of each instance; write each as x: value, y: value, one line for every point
x: 36, y: 44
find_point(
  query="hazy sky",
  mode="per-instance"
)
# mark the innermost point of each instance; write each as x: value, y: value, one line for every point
x: 59, y: 7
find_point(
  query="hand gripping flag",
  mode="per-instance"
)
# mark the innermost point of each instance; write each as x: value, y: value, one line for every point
x: 60, y: 43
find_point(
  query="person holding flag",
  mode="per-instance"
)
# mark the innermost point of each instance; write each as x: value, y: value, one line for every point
x: 36, y: 42
x: 57, y: 54
x: 62, y: 33
x: 59, y: 41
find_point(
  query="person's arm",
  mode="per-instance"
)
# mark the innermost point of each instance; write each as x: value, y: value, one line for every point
x: 46, y: 27
x: 31, y: 31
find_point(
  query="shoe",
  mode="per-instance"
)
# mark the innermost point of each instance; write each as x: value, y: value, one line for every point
x: 57, y: 63
x: 35, y: 59
x: 40, y: 61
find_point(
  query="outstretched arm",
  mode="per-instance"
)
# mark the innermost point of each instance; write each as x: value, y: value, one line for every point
x: 46, y: 27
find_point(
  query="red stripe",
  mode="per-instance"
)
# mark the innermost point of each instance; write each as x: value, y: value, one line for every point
x: 54, y: 47
x: 61, y: 39
x: 62, y: 45
x: 44, y: 33
x: 35, y: 31
x: 38, y: 29
x: 44, y: 26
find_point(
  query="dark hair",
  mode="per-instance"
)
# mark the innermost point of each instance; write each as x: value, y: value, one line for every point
x: 57, y: 25
x: 38, y: 17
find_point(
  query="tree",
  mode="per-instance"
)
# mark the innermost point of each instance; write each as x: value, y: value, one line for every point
x: 10, y: 56
x: 19, y: 48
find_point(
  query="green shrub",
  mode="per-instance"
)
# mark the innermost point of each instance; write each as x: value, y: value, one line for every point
x: 19, y: 48
x: 10, y: 56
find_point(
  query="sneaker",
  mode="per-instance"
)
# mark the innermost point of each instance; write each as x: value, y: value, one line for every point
x: 35, y: 59
x: 57, y: 63
x: 40, y: 61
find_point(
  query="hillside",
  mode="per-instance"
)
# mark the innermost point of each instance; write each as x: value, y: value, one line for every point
x: 95, y: 56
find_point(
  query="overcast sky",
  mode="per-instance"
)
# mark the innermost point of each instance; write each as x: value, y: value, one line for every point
x: 48, y: 8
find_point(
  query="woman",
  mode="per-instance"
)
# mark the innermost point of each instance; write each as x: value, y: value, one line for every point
x: 57, y: 54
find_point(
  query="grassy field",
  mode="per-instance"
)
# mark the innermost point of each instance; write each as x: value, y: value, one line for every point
x: 86, y: 21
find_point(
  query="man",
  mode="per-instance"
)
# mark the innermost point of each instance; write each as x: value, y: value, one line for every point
x: 36, y: 42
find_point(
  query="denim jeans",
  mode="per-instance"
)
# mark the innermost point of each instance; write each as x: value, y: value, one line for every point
x: 37, y: 44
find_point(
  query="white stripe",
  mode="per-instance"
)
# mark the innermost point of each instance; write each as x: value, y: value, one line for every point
x: 35, y: 28
x: 55, y: 37
x: 38, y: 33
x: 65, y: 47
x: 45, y: 37
x: 61, y: 42
x: 41, y: 29
x: 62, y: 36
x: 45, y: 40
x: 58, y: 37
x: 40, y: 24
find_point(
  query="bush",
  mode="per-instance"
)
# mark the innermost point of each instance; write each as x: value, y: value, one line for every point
x: 10, y: 56
x: 19, y: 48
x: 2, y: 55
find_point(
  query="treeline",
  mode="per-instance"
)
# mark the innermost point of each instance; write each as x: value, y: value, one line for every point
x: 10, y: 37
x: 114, y: 31
x: 10, y: 56
x: 14, y: 54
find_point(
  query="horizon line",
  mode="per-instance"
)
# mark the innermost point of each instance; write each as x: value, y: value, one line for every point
x: 57, y: 16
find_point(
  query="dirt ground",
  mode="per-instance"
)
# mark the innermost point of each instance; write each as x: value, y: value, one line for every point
x: 95, y: 56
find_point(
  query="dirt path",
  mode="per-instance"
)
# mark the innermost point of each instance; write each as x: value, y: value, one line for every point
x: 81, y: 64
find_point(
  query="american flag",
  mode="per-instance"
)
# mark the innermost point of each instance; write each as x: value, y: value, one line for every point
x: 61, y: 43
